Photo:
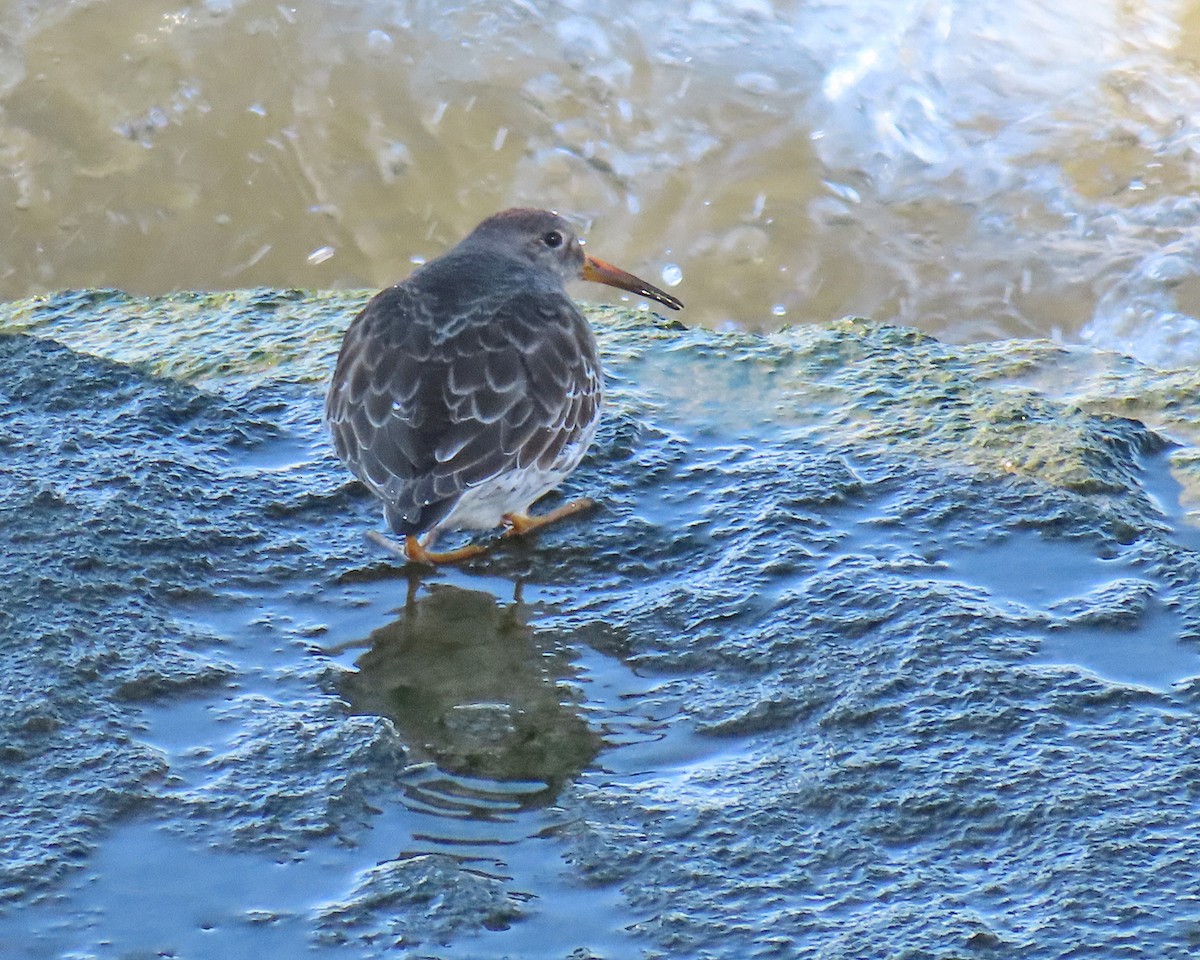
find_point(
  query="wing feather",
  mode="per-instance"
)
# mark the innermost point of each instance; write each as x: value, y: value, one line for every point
x: 421, y: 409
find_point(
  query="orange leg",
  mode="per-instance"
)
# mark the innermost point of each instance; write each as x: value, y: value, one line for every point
x: 520, y: 524
x: 416, y: 552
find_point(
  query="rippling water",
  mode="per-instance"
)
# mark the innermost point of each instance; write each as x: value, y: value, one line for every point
x: 979, y: 170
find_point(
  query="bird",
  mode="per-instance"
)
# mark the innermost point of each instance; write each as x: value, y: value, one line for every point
x: 469, y: 390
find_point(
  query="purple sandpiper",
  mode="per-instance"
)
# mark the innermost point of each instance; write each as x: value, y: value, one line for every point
x: 468, y: 391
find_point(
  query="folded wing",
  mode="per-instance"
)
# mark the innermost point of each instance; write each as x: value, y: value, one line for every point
x: 423, y: 410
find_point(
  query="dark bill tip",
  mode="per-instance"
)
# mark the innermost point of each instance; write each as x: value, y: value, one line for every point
x: 600, y: 272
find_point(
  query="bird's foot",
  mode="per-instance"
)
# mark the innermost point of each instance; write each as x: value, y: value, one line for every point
x: 519, y: 524
x: 414, y: 551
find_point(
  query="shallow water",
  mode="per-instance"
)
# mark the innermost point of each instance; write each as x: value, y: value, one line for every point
x: 887, y: 649
x: 977, y: 170
x: 195, y: 896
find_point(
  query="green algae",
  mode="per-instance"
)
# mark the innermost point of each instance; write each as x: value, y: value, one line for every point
x: 869, y: 383
x: 231, y: 338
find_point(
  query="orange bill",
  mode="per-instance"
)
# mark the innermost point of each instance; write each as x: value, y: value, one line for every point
x: 601, y: 272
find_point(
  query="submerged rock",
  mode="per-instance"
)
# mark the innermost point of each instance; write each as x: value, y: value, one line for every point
x: 907, y: 632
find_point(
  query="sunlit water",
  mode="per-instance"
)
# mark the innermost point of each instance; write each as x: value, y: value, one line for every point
x: 978, y: 170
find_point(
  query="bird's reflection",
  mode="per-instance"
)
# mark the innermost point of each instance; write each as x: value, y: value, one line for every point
x: 473, y: 687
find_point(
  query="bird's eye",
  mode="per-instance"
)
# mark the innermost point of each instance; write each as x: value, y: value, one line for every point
x: 553, y: 239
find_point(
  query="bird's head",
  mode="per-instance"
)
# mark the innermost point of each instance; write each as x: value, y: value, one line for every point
x: 548, y: 241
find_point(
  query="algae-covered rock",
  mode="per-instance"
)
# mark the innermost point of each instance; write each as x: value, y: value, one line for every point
x: 887, y: 647
x: 868, y: 382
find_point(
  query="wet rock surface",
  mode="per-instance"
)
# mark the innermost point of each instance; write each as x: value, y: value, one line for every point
x: 875, y: 647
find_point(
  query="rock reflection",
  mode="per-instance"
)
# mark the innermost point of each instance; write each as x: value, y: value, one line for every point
x: 471, y: 685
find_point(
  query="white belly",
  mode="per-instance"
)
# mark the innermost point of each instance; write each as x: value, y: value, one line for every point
x: 483, y: 506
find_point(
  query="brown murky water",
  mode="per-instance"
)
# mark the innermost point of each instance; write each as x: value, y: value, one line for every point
x: 979, y: 170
